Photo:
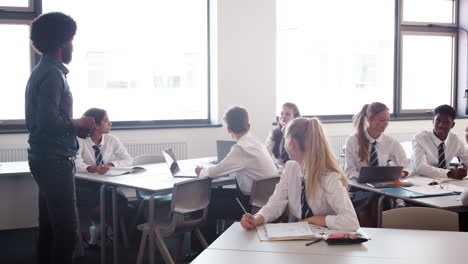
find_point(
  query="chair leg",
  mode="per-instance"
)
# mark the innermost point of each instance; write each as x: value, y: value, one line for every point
x: 200, y: 237
x: 162, y: 248
x: 138, y: 214
x: 141, y: 250
x: 178, y: 249
x: 124, y: 232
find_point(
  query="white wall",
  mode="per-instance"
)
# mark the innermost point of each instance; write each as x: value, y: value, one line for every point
x: 245, y: 76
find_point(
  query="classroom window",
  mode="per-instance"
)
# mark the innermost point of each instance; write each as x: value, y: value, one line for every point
x: 332, y: 62
x: 17, y: 5
x: 145, y: 61
x: 427, y: 71
x: 15, y: 66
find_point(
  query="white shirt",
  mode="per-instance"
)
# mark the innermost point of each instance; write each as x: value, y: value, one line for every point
x: 388, y: 149
x: 248, y: 160
x: 112, y: 151
x: 331, y: 199
x: 425, y: 156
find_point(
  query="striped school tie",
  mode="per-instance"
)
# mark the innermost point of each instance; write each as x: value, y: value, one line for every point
x: 374, y: 161
x: 97, y: 154
x: 306, y: 212
x: 442, y: 162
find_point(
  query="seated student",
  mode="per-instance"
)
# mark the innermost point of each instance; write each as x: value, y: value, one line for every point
x: 369, y: 146
x: 248, y: 160
x: 313, y: 186
x: 433, y: 150
x: 97, y: 154
x: 275, y: 140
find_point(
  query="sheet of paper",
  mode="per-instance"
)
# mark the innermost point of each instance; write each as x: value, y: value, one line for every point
x: 429, y: 190
x: 300, y: 230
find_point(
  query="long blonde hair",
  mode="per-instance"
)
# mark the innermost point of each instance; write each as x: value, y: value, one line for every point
x: 318, y: 157
x: 360, y: 121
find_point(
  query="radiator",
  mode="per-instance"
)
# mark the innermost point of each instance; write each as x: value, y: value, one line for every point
x: 8, y: 154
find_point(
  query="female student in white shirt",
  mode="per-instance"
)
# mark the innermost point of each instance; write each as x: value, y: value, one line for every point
x: 97, y: 154
x: 369, y: 146
x: 313, y: 185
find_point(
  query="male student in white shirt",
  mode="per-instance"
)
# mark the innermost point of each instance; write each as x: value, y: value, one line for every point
x: 433, y: 150
x: 248, y: 160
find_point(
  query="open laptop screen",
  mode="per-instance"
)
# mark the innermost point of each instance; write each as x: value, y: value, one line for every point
x: 171, y: 161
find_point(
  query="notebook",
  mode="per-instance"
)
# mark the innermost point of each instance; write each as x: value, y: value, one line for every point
x: 171, y: 161
x: 379, y: 174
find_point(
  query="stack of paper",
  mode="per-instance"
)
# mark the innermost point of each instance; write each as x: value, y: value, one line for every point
x: 116, y: 171
x: 287, y: 231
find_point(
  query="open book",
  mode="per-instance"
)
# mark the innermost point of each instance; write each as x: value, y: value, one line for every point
x: 116, y: 171
x: 297, y: 231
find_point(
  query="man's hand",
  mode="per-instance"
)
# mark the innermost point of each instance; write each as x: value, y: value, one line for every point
x: 85, y: 126
x: 457, y: 174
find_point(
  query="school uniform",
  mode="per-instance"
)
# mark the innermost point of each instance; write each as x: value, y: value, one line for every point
x: 426, y: 149
x: 112, y: 151
x: 388, y: 151
x: 248, y: 160
x: 330, y: 199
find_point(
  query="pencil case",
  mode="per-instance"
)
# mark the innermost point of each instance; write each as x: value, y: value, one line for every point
x: 345, y: 239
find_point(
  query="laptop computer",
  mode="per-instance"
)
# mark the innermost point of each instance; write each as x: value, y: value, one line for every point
x: 222, y: 148
x: 379, y: 174
x: 174, y: 166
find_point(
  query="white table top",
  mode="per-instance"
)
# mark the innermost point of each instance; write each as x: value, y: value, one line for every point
x: 14, y: 168
x: 415, y: 245
x: 214, y: 256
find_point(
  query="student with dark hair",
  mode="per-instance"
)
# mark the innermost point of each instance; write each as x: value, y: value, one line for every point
x: 369, y: 146
x: 52, y: 136
x: 275, y: 140
x: 97, y: 154
x: 248, y: 160
x: 433, y: 150
x: 313, y: 186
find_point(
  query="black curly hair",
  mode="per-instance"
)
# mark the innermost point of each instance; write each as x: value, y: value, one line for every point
x: 446, y: 110
x: 51, y: 31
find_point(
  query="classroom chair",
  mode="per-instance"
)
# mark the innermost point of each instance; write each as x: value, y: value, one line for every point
x: 261, y: 192
x: 420, y: 218
x: 188, y: 211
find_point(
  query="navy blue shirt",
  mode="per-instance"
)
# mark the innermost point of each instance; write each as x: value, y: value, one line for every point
x: 49, y: 110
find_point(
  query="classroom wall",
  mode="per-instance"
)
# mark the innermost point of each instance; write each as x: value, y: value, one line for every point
x: 245, y: 76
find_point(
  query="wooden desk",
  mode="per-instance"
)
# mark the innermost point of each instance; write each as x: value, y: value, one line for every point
x: 385, y: 246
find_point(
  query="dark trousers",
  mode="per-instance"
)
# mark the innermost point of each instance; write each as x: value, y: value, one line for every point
x: 57, y: 208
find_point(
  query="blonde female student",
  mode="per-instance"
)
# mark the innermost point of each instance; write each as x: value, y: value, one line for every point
x: 313, y: 186
x: 369, y: 146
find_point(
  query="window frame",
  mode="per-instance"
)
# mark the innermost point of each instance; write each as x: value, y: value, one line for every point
x: 407, y: 28
x: 8, y: 15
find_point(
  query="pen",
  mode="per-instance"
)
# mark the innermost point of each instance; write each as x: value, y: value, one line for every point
x: 313, y: 242
x: 239, y: 202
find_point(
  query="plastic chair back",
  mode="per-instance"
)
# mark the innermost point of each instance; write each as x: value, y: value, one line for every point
x: 261, y: 191
x: 420, y: 218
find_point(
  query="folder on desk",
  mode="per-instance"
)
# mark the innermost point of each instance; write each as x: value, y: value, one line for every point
x: 411, y: 194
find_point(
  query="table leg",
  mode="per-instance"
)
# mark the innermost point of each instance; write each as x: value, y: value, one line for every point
x: 115, y: 226
x: 151, y: 230
x: 103, y: 224
x: 379, y: 211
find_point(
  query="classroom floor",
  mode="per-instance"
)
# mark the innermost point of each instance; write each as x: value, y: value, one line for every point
x: 18, y: 247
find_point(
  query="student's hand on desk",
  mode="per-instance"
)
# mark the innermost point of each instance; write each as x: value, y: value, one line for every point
x: 198, y: 170
x: 404, y: 174
x: 315, y: 220
x: 457, y: 174
x: 249, y: 221
x: 109, y: 165
x: 98, y: 169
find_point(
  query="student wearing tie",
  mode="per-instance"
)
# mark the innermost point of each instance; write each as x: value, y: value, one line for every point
x: 97, y: 154
x: 275, y: 140
x: 369, y: 146
x: 433, y: 150
x: 313, y: 186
